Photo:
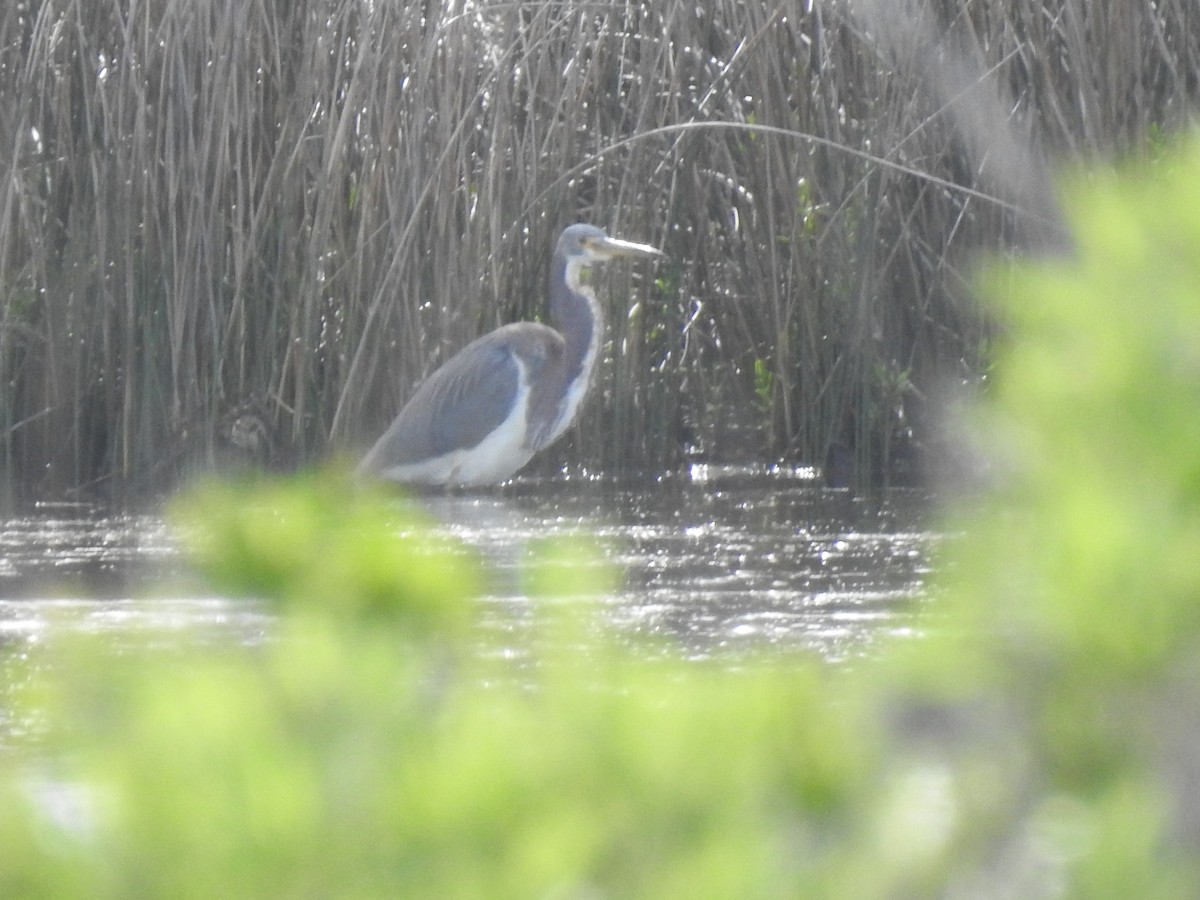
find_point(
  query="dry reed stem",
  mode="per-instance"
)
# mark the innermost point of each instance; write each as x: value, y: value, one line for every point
x: 246, y: 230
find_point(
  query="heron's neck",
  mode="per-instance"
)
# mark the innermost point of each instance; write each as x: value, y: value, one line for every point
x: 575, y: 312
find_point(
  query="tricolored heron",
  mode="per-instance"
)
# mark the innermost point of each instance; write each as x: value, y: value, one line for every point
x: 502, y: 398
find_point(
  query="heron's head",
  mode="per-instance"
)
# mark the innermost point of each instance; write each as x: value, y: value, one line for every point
x: 586, y: 244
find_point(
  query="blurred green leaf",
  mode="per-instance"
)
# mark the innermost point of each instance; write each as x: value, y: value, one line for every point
x: 1038, y: 740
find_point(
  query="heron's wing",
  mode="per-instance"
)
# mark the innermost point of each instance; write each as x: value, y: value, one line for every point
x: 458, y: 405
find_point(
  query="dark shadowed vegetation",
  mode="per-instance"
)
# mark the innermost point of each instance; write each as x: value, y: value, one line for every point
x: 245, y: 230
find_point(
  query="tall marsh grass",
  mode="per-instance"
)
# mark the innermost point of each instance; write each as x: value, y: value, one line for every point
x: 247, y: 229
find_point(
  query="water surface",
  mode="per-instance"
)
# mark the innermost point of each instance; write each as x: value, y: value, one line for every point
x: 723, y: 561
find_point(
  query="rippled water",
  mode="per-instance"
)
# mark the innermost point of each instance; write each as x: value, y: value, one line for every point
x: 722, y: 561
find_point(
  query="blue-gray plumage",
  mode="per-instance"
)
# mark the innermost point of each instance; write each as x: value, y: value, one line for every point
x: 503, y: 397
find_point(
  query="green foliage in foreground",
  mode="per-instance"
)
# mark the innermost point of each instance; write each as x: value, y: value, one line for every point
x: 1042, y: 740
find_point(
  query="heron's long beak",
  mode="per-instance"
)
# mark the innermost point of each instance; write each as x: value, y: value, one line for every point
x: 610, y: 246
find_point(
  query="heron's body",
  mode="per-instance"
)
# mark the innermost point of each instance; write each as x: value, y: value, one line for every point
x: 502, y: 398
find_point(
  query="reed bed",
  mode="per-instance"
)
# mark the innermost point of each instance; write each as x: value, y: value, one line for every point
x: 242, y: 231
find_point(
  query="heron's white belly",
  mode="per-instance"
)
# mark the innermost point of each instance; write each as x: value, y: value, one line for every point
x: 495, y: 458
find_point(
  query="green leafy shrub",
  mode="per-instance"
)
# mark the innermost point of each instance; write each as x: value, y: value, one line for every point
x: 1040, y: 740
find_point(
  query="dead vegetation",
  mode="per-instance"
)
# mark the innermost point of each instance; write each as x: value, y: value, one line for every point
x: 245, y: 230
